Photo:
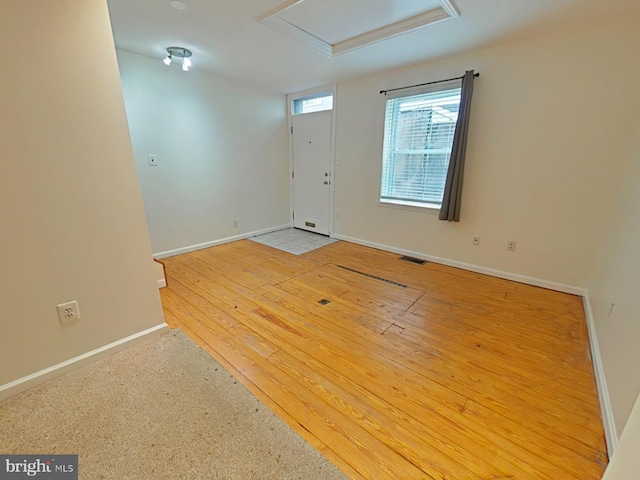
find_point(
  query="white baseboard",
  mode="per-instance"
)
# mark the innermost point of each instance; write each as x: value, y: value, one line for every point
x: 162, y: 283
x: 608, y: 421
x: 200, y: 246
x: 537, y: 282
x: 598, y: 368
x: 12, y: 388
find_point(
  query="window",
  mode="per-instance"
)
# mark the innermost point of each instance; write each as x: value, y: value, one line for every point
x: 418, y: 135
x: 313, y: 104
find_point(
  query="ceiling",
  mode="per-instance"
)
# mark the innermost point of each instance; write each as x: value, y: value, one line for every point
x: 226, y: 38
x: 337, y: 20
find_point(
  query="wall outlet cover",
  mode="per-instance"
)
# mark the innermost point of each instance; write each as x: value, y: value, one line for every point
x: 68, y: 312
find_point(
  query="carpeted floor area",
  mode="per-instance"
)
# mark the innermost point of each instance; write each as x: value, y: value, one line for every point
x: 163, y: 409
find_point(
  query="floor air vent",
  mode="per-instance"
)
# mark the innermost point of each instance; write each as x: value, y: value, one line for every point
x: 391, y: 282
x: 415, y: 260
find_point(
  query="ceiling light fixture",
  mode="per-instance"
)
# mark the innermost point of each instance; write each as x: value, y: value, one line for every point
x: 179, y: 5
x: 179, y: 52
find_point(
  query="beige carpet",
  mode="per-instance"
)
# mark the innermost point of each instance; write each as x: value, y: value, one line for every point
x: 163, y: 409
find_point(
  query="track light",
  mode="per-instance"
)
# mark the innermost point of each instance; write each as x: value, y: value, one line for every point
x: 179, y: 52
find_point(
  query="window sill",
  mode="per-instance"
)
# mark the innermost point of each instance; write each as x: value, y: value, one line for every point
x: 418, y: 207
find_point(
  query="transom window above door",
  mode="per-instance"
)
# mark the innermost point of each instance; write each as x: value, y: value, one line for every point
x: 316, y: 103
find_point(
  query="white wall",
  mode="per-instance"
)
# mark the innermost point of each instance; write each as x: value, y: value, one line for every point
x: 73, y: 224
x: 625, y: 463
x: 550, y: 122
x: 222, y: 152
x: 615, y: 280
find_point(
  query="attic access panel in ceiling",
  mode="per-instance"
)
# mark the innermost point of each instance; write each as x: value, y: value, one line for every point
x: 339, y: 26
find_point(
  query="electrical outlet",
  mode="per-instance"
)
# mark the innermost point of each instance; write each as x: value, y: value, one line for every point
x: 68, y: 312
x: 235, y: 223
x: 153, y: 160
x: 511, y: 246
x: 476, y: 240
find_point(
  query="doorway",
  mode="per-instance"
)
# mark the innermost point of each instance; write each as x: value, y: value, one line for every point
x: 312, y: 162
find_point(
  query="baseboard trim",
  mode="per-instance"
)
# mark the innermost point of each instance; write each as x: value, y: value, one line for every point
x: 12, y: 388
x: 608, y: 422
x: 213, y: 243
x: 537, y: 282
x: 162, y: 282
x: 598, y: 368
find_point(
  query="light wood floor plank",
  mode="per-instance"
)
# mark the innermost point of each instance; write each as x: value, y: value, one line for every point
x: 410, y: 403
x: 192, y: 329
x: 457, y: 376
x: 365, y: 453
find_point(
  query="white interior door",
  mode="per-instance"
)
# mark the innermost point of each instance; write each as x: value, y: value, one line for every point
x: 312, y: 171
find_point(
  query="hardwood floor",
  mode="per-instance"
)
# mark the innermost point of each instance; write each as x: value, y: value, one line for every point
x: 449, y: 375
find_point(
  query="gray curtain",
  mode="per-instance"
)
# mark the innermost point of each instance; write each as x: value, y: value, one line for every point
x: 452, y: 199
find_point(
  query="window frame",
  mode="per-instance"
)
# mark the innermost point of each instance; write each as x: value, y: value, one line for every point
x: 405, y: 204
x: 314, y: 96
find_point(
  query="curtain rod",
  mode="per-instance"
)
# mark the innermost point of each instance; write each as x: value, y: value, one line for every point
x: 423, y: 84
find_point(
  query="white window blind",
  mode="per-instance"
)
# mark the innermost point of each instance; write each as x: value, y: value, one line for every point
x: 418, y: 135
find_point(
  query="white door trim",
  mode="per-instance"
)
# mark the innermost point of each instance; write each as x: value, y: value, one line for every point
x: 291, y: 97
